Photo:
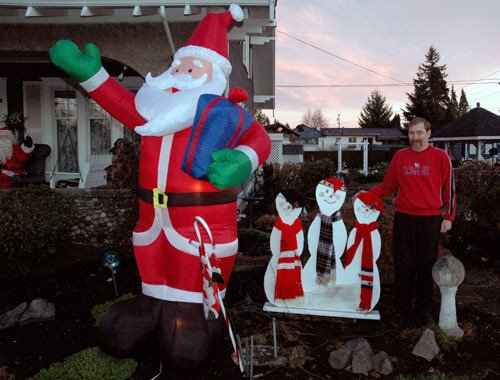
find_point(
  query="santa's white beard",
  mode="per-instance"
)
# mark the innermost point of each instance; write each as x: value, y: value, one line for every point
x: 7, y: 139
x: 166, y: 112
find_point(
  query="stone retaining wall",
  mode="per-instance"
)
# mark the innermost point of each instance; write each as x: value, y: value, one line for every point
x: 103, y: 218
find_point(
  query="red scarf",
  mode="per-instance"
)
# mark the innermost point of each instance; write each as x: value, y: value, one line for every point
x: 364, y: 234
x: 289, y: 272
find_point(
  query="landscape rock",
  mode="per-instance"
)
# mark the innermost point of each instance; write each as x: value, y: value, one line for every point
x: 39, y: 310
x: 426, y: 347
x: 381, y: 363
x: 11, y: 317
x: 363, y: 345
x: 340, y: 358
x: 361, y: 361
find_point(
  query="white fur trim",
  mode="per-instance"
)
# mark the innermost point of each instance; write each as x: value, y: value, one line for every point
x: 236, y: 12
x: 254, y: 159
x: 204, y: 53
x: 26, y: 149
x: 95, y: 81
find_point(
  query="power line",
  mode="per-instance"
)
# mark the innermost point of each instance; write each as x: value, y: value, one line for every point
x: 362, y: 85
x: 494, y: 72
x: 339, y: 57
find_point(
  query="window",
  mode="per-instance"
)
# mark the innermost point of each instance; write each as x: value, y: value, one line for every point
x: 100, y: 129
x: 65, y: 112
x: 352, y: 139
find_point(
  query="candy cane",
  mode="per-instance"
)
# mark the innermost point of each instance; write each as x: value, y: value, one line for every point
x: 198, y: 219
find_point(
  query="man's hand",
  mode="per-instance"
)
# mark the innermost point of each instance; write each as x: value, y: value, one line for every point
x: 230, y: 168
x: 77, y: 64
x: 445, y: 226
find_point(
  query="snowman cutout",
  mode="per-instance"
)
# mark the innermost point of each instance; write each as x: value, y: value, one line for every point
x: 363, y: 250
x: 283, y: 277
x: 326, y: 237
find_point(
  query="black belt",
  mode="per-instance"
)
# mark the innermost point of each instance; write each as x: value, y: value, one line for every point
x: 159, y: 198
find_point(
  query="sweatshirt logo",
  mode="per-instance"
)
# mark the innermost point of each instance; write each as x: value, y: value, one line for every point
x: 416, y: 169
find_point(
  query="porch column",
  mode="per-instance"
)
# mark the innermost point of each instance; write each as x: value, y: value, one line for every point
x: 479, y: 149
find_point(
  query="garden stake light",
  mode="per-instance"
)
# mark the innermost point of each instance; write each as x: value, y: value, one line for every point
x: 111, y: 260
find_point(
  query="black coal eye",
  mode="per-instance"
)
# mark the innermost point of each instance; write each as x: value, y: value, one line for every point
x: 190, y: 70
x: 177, y: 70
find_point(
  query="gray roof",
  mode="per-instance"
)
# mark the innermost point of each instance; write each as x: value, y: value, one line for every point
x: 308, y: 132
x: 477, y: 122
x: 380, y: 133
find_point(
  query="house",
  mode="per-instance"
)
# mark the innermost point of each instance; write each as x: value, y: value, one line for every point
x: 134, y: 40
x: 329, y: 138
x: 472, y: 135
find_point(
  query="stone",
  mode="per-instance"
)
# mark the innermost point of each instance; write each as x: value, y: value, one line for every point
x: 11, y: 317
x: 340, y: 358
x: 448, y: 272
x: 361, y: 362
x: 39, y: 310
x: 363, y: 345
x: 426, y: 347
x: 381, y: 363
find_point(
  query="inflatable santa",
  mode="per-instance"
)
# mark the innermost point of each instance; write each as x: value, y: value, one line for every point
x: 15, y: 149
x: 196, y: 148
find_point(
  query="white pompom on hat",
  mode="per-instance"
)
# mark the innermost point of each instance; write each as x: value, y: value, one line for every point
x: 209, y: 40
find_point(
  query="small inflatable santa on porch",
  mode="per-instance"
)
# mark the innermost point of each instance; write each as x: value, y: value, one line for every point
x: 15, y: 149
x: 197, y: 147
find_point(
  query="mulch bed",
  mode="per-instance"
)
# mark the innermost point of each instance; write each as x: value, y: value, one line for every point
x: 76, y: 281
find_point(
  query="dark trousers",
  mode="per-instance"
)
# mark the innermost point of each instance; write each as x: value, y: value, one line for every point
x: 415, y: 250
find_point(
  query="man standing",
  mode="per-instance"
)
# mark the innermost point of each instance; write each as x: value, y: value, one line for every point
x: 421, y: 176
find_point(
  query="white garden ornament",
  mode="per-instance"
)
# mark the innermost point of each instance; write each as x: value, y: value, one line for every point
x: 329, y: 288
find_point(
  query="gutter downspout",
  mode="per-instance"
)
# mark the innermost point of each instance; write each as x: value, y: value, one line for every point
x: 163, y: 16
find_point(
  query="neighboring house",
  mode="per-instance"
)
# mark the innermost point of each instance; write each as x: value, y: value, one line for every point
x: 310, y: 138
x: 328, y: 138
x: 476, y: 131
x: 133, y: 41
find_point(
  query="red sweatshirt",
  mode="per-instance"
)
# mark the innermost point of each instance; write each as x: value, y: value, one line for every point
x: 423, y: 182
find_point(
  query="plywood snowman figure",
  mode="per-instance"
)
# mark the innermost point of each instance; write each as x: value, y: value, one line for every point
x: 326, y: 237
x: 363, y: 250
x: 283, y: 278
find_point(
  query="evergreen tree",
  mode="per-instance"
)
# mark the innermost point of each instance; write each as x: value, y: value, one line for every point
x: 376, y: 113
x: 430, y: 96
x: 463, y: 104
x: 452, y: 111
x: 315, y: 119
x: 396, y: 121
x: 261, y: 117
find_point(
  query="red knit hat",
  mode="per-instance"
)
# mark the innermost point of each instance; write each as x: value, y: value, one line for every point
x: 372, y: 200
x: 335, y: 183
x: 209, y: 40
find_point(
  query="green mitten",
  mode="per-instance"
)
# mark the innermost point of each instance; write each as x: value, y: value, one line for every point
x: 78, y: 65
x: 229, y: 169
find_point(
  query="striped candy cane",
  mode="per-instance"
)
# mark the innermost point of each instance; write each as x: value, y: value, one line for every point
x: 212, y: 265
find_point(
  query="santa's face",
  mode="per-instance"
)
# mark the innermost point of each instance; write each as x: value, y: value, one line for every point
x: 364, y: 213
x: 287, y: 212
x: 329, y: 200
x: 168, y: 102
x: 7, y: 139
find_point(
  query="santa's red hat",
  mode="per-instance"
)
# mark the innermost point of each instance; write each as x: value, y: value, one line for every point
x: 209, y: 40
x: 372, y: 200
x: 337, y: 184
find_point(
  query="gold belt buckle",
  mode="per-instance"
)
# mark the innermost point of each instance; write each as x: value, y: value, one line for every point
x: 159, y: 198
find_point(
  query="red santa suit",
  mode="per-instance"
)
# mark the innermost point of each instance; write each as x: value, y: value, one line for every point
x: 12, y: 157
x: 168, y: 264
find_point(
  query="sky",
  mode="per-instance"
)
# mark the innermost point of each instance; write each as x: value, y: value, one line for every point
x: 389, y: 37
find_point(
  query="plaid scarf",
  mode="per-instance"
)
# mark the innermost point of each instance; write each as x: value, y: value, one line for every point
x: 325, y: 258
x: 364, y: 234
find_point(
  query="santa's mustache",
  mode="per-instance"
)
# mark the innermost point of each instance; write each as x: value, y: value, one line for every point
x: 182, y: 81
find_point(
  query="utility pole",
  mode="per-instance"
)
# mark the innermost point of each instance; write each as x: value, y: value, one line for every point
x: 338, y: 120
